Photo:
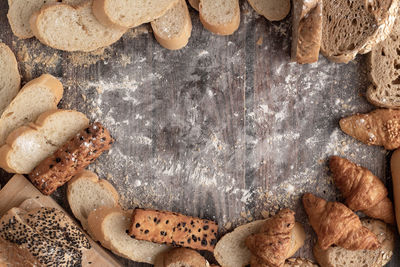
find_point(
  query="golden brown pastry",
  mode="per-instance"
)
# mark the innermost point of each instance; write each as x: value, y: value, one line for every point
x: 363, y: 190
x: 334, y: 223
x: 380, y: 127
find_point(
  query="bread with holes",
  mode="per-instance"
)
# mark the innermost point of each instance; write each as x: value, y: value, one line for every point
x: 272, y: 10
x: 220, y: 16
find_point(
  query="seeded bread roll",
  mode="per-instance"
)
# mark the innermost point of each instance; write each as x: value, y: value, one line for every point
x: 172, y: 228
x: 71, y: 158
x: 182, y: 257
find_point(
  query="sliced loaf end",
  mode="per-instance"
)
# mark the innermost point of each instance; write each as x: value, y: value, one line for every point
x: 220, y: 17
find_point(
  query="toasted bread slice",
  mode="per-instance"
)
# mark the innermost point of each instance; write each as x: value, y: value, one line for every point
x: 70, y: 28
x: 10, y: 79
x: 173, y: 30
x: 110, y: 227
x: 37, y: 96
x: 28, y: 145
x: 220, y: 16
x: 273, y: 10
x: 87, y: 193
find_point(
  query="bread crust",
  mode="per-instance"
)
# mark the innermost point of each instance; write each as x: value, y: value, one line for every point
x: 395, y: 169
x: 221, y: 29
x: 272, y: 15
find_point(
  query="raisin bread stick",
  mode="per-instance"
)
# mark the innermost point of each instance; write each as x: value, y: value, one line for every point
x: 71, y: 158
x: 173, y: 228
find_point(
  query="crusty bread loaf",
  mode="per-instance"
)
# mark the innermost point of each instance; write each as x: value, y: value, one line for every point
x: 28, y: 145
x: 69, y: 28
x: 110, y: 227
x: 352, y: 27
x: 86, y: 193
x: 10, y: 80
x: 231, y: 250
x: 173, y: 30
x: 129, y: 14
x: 195, y: 4
x: 182, y: 257
x: 37, y: 96
x: 307, y: 30
x: 71, y: 158
x: 273, y: 10
x: 220, y: 16
x: 340, y: 257
x: 299, y: 262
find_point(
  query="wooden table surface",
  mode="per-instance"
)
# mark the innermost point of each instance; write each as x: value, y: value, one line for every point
x: 226, y: 129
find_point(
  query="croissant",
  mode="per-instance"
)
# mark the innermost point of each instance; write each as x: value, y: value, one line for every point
x: 334, y: 223
x: 380, y: 127
x: 363, y: 190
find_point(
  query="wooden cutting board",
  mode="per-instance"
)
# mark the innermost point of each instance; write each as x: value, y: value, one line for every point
x: 19, y: 189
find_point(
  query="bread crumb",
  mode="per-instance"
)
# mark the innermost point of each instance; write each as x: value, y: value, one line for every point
x: 228, y: 226
x: 260, y: 41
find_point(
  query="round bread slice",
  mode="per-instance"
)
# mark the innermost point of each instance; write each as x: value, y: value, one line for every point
x: 110, y: 227
x: 231, y: 250
x: 272, y: 10
x: 10, y: 79
x: 220, y: 16
x: 338, y: 257
x: 86, y: 193
x: 182, y: 257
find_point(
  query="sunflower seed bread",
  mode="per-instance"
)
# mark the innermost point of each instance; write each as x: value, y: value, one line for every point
x: 172, y: 228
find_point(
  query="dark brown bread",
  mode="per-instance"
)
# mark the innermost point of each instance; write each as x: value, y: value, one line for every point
x: 71, y: 158
x: 172, y: 228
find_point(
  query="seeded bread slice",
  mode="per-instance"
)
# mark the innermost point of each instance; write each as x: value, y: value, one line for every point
x: 173, y: 30
x: 10, y: 80
x: 273, y: 10
x: 355, y: 27
x: 69, y: 28
x: 340, y: 257
x: 220, y: 16
x: 195, y: 4
x: 28, y: 145
x: 37, y: 96
x: 110, y: 227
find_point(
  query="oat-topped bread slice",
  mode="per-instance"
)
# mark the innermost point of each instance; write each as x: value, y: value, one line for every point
x: 273, y: 10
x: 355, y: 26
x: 10, y: 80
x: 70, y: 28
x: 220, y: 16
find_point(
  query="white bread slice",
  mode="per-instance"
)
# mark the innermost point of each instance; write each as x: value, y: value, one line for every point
x: 69, y: 28
x: 173, y: 30
x: 220, y: 16
x: 86, y: 193
x: 231, y: 250
x: 29, y: 145
x: 110, y: 226
x: 129, y: 14
x: 37, y: 96
x: 195, y: 4
x: 272, y: 10
x: 10, y: 80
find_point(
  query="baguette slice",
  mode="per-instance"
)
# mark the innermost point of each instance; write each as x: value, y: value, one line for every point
x: 231, y: 250
x: 338, y: 257
x: 28, y: 145
x: 299, y: 262
x: 220, y: 16
x: 69, y: 28
x: 173, y: 30
x: 129, y: 14
x: 37, y: 96
x: 195, y: 4
x: 10, y: 80
x: 355, y: 27
x: 307, y: 30
x: 87, y: 193
x: 272, y: 10
x: 110, y: 226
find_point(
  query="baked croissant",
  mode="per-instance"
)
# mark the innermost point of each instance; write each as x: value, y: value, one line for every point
x: 334, y: 223
x: 380, y: 127
x: 363, y: 190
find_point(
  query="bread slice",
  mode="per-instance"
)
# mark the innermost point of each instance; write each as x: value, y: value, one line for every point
x: 87, y: 193
x: 181, y: 257
x: 28, y: 145
x: 340, y: 257
x: 307, y: 30
x: 110, y: 227
x: 231, y: 250
x: 354, y: 27
x: 173, y: 30
x: 37, y: 96
x: 220, y: 16
x: 195, y: 4
x: 10, y: 79
x: 69, y: 28
x: 129, y: 14
x: 272, y: 10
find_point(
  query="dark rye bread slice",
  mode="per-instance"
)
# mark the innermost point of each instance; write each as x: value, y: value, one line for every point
x: 172, y: 228
x: 71, y: 158
x: 353, y: 27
